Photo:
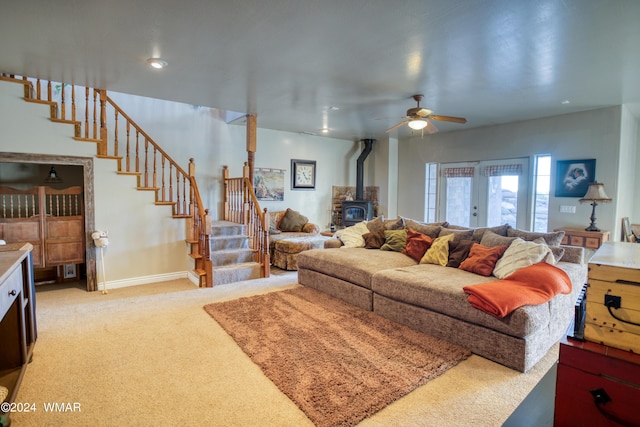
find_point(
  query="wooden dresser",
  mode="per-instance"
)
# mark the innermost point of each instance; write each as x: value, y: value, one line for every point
x: 587, y: 239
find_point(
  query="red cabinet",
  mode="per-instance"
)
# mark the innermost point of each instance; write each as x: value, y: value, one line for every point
x: 597, y: 386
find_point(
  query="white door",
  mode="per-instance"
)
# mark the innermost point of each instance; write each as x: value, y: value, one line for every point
x: 485, y: 194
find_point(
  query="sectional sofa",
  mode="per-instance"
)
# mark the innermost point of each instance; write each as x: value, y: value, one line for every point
x: 430, y: 297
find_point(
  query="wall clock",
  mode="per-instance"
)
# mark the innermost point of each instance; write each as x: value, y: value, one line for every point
x: 303, y: 174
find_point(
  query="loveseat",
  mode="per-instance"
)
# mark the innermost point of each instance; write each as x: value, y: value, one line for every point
x: 429, y: 296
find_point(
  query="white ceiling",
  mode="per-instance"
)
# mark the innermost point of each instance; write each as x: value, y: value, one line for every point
x: 288, y: 61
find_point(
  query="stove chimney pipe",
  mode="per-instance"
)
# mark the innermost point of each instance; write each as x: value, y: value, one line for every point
x: 368, y: 146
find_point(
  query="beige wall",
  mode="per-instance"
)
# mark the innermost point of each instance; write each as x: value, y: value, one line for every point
x: 590, y: 134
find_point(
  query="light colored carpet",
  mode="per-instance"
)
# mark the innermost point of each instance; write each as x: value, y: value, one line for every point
x: 337, y: 362
x: 150, y: 355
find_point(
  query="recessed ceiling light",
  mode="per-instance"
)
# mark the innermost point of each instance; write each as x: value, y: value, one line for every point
x: 157, y: 63
x: 565, y: 102
x: 334, y: 108
x: 324, y: 130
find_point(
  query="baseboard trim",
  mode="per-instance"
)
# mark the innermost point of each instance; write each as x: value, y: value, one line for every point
x: 145, y: 280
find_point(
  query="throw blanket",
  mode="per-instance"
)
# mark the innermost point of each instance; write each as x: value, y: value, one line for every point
x: 531, y: 285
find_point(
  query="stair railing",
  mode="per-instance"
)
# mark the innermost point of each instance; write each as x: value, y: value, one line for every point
x: 242, y: 207
x: 135, y: 151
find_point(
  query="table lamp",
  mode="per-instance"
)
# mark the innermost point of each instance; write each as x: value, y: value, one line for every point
x: 595, y: 194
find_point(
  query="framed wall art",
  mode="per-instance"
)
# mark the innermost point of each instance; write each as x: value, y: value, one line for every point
x: 303, y: 174
x: 268, y: 184
x: 574, y: 176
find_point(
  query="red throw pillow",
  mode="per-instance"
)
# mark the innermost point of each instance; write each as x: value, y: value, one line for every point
x: 482, y: 259
x: 417, y: 244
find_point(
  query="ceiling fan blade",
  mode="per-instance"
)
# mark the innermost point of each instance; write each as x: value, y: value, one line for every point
x: 397, y: 126
x: 431, y: 128
x: 448, y: 119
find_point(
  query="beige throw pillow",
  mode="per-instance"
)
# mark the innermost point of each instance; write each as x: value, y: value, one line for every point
x: 351, y: 237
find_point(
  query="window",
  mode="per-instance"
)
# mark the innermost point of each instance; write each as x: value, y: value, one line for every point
x: 542, y: 180
x: 430, y: 199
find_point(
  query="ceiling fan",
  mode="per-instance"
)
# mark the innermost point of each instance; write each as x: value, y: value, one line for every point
x: 416, y: 118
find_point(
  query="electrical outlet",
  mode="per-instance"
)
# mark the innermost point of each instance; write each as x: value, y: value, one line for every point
x: 567, y: 209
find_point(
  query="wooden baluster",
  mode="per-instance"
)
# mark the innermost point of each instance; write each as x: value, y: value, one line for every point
x: 162, y: 192
x: 63, y: 106
x: 146, y: 162
x: 73, y: 102
x: 64, y: 205
x: 49, y: 91
x: 137, y: 149
x: 128, y: 157
x: 178, y: 193
x: 19, y: 207
x: 33, y: 205
x: 86, y: 112
x: 57, y: 205
x: 38, y: 90
x: 170, y: 182
x: 184, y: 195
x: 4, y: 207
x: 95, y: 115
x: 155, y: 171
x: 115, y: 139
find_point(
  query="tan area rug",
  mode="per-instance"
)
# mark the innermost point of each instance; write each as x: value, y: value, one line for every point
x: 338, y: 363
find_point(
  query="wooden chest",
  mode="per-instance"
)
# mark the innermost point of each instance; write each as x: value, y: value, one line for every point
x: 613, y: 296
x: 596, y: 386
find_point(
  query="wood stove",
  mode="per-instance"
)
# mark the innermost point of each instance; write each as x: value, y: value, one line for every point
x: 355, y: 211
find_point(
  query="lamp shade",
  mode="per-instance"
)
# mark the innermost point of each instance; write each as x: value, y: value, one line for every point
x: 418, y: 124
x: 596, y: 193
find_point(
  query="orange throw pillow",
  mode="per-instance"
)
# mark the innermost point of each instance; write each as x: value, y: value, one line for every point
x: 417, y: 244
x: 482, y: 259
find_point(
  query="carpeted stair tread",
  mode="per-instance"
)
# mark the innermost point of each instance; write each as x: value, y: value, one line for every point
x: 235, y: 273
x: 226, y: 228
x: 231, y: 256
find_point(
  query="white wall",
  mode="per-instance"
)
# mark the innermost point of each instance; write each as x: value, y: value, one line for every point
x: 585, y: 135
x: 627, y: 171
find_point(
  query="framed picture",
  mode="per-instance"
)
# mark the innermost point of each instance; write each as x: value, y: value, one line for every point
x: 70, y: 271
x: 574, y: 176
x: 269, y: 184
x: 303, y: 174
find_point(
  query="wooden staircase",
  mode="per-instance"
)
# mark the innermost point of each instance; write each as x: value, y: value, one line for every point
x: 135, y: 153
x: 233, y: 259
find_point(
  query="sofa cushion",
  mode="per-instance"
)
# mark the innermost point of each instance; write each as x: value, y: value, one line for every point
x: 417, y: 244
x: 292, y: 221
x: 482, y: 259
x: 355, y: 265
x: 552, y: 239
x: 457, y: 234
x: 374, y: 239
x: 431, y: 230
x: 491, y: 239
x: 522, y: 254
x: 394, y: 240
x: 439, y: 289
x: 393, y: 224
x: 500, y: 230
x: 438, y: 253
x: 376, y: 224
x: 351, y: 237
x: 458, y: 252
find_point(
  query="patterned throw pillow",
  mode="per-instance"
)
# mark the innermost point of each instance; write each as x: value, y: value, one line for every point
x: 522, y: 254
x: 552, y: 239
x: 491, y: 239
x: 438, y: 253
x: 394, y: 240
x: 458, y: 234
x: 417, y: 244
x: 351, y: 237
x: 431, y: 230
x: 482, y: 259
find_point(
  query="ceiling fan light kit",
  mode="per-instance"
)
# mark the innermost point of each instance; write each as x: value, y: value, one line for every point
x: 418, y: 124
x: 416, y: 118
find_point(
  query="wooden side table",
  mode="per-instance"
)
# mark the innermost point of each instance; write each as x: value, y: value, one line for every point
x: 587, y: 239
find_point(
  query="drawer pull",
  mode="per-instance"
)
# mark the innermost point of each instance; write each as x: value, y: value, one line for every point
x: 13, y: 293
x: 600, y: 399
x: 614, y: 301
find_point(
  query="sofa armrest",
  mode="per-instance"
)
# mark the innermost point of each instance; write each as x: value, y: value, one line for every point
x: 573, y: 254
x: 310, y: 228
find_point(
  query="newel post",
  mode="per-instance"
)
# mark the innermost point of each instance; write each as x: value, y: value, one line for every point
x: 102, y: 145
x: 246, y: 198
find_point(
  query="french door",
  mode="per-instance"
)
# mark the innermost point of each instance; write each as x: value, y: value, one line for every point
x: 484, y: 194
